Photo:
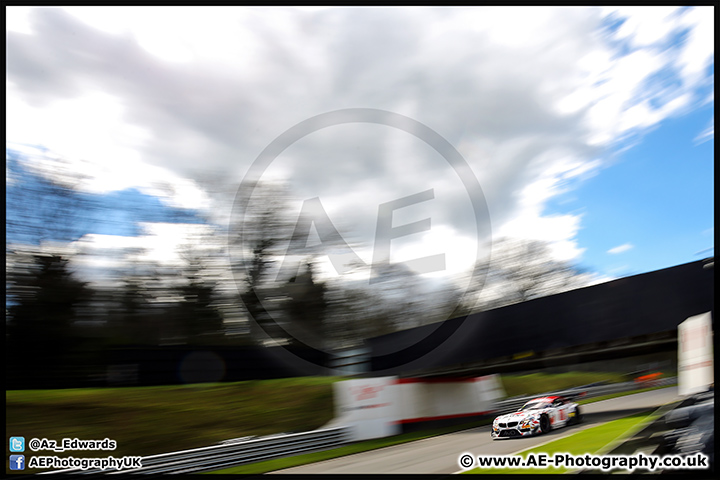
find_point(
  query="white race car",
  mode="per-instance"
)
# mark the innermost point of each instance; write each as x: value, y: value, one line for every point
x: 537, y: 416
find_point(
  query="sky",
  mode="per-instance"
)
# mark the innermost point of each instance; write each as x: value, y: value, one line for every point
x: 588, y: 128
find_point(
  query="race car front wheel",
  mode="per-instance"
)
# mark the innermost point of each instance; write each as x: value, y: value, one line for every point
x: 544, y: 424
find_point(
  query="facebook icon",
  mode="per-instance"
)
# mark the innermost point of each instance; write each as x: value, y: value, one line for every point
x: 17, y: 462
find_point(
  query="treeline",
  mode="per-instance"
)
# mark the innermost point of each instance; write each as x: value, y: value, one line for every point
x: 70, y: 304
x: 60, y: 329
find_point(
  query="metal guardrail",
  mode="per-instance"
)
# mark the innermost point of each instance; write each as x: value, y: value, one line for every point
x: 593, y: 390
x: 229, y: 455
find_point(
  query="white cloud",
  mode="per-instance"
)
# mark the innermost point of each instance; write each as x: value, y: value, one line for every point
x: 178, y: 102
x: 559, y: 231
x: 101, y: 259
x: 699, y: 48
x: 627, y: 99
x: 17, y: 19
x: 79, y: 127
x: 106, y: 173
x: 647, y: 26
x: 707, y: 134
x: 620, y: 248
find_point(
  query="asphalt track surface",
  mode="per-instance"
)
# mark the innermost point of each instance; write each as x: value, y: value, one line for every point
x: 439, y: 455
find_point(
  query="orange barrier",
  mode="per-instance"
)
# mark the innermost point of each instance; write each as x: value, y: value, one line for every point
x: 649, y: 378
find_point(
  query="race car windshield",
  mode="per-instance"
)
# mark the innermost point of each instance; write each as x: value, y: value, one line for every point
x: 534, y: 406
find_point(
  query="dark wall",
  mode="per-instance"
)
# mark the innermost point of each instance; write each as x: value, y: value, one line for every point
x: 634, y: 306
x: 171, y: 365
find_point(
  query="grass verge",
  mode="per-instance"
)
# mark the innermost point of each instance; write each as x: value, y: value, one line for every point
x: 533, y: 383
x: 150, y: 420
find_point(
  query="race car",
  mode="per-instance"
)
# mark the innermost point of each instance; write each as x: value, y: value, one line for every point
x: 537, y: 416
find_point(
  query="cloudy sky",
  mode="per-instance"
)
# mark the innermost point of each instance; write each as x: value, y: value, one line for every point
x: 589, y: 128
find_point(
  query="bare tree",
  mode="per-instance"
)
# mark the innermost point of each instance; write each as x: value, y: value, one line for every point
x: 522, y: 270
x: 199, y: 311
x: 306, y: 306
x: 256, y: 239
x: 354, y: 315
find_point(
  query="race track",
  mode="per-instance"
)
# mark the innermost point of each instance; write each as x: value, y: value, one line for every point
x: 439, y: 455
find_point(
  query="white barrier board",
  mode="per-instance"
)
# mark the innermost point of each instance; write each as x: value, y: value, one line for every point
x: 695, y: 354
x: 368, y: 405
x: 377, y: 407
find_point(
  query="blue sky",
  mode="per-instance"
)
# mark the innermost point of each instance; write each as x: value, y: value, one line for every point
x: 657, y: 199
x: 588, y: 128
x: 50, y: 212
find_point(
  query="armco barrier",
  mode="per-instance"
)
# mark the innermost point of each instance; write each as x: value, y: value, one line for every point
x: 224, y: 456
